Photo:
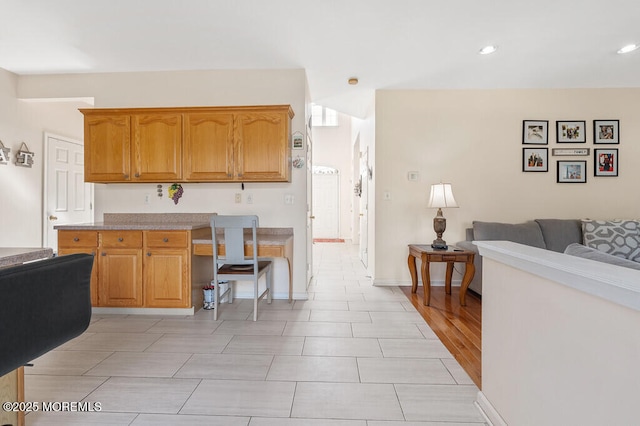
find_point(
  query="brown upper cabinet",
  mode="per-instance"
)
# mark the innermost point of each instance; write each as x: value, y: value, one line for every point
x: 200, y: 144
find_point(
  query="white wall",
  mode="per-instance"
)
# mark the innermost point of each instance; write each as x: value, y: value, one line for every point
x: 473, y: 139
x: 23, y: 121
x: 197, y: 88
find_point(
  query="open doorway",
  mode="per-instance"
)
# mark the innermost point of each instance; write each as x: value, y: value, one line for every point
x: 334, y: 203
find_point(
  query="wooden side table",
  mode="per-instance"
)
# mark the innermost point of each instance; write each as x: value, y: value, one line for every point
x: 428, y: 254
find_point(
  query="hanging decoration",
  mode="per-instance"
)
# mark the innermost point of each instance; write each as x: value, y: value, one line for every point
x: 4, y: 154
x: 24, y: 157
x: 298, y: 162
x: 175, y: 192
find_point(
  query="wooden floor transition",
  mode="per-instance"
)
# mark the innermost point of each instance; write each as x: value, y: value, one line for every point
x: 459, y: 328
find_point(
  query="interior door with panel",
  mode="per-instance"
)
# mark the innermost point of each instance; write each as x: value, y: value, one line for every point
x: 68, y: 199
x: 157, y: 147
x: 208, y: 146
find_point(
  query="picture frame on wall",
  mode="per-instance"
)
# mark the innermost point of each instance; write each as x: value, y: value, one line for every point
x: 573, y: 152
x: 606, y: 131
x: 605, y: 162
x: 572, y: 172
x: 571, y: 132
x: 535, y: 160
x: 535, y: 132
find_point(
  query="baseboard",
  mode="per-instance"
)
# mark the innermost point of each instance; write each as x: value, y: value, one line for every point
x: 434, y: 283
x: 143, y: 311
x: 489, y: 413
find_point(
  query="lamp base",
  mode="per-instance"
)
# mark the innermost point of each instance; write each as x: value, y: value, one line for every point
x: 439, y: 244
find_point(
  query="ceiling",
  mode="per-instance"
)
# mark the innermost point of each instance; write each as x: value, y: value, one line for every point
x: 386, y: 44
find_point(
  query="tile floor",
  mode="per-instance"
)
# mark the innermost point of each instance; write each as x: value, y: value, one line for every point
x: 352, y: 355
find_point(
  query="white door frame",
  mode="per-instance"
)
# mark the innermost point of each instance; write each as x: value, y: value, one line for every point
x: 45, y: 186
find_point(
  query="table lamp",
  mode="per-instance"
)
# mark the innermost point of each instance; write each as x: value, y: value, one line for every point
x: 441, y: 196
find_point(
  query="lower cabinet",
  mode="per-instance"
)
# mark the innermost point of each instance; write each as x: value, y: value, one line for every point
x: 135, y: 268
x: 166, y: 265
x: 120, y: 277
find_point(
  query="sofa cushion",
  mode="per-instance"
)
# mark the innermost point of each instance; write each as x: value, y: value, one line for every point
x: 559, y: 233
x: 591, y: 253
x: 617, y: 237
x: 527, y: 233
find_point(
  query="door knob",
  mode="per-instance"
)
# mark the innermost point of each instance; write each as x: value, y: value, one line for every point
x: 52, y: 217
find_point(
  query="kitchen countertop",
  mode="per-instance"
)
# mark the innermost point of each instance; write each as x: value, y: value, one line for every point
x: 171, y: 221
x: 10, y: 256
x: 144, y: 222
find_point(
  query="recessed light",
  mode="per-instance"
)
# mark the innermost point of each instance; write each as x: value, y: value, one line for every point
x: 353, y: 81
x: 628, y: 48
x: 487, y: 50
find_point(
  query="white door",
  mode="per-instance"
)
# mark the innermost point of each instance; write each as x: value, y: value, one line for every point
x: 310, y: 217
x: 68, y: 199
x: 364, y: 208
x: 326, y: 206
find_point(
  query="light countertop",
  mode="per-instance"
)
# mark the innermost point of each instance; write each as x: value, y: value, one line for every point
x: 10, y: 256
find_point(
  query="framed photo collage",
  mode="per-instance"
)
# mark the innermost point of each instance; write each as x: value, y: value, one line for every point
x: 535, y: 157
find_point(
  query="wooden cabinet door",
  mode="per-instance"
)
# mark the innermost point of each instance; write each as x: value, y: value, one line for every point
x: 167, y: 281
x: 120, y: 277
x: 107, y: 142
x: 208, y: 146
x: 94, y: 272
x: 262, y: 146
x: 157, y: 147
x: 71, y: 242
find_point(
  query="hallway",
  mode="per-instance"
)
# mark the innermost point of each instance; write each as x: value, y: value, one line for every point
x: 351, y: 355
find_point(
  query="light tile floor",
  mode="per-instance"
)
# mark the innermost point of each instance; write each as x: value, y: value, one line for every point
x: 351, y: 355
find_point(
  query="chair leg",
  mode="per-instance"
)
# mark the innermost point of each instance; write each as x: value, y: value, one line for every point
x: 269, y: 284
x: 255, y: 299
x: 216, y: 301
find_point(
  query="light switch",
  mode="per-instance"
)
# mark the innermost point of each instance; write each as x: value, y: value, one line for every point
x: 413, y: 176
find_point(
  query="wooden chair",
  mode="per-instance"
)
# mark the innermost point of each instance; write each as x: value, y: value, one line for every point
x: 234, y: 265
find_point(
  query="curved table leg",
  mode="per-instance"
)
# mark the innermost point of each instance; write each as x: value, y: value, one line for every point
x: 447, y: 281
x: 469, y: 272
x: 412, y: 270
x: 426, y: 281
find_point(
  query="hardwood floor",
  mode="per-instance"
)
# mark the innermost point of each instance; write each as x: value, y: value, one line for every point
x: 458, y: 327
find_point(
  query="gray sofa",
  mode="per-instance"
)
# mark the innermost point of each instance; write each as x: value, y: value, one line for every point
x: 560, y: 235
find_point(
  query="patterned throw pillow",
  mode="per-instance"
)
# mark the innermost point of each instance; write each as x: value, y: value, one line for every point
x: 617, y: 237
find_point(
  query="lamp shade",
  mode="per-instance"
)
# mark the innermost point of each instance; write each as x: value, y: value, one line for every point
x: 441, y: 196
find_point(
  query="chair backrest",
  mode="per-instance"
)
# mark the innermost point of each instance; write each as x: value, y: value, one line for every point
x: 231, y: 229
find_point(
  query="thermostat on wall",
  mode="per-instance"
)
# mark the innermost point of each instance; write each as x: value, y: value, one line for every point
x: 413, y: 176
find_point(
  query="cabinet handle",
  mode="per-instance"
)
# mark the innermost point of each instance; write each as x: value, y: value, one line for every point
x: 239, y: 174
x: 76, y: 239
x: 103, y: 254
x: 149, y: 253
x: 137, y: 175
x: 229, y: 175
x: 120, y: 239
x: 126, y: 176
x: 166, y: 240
